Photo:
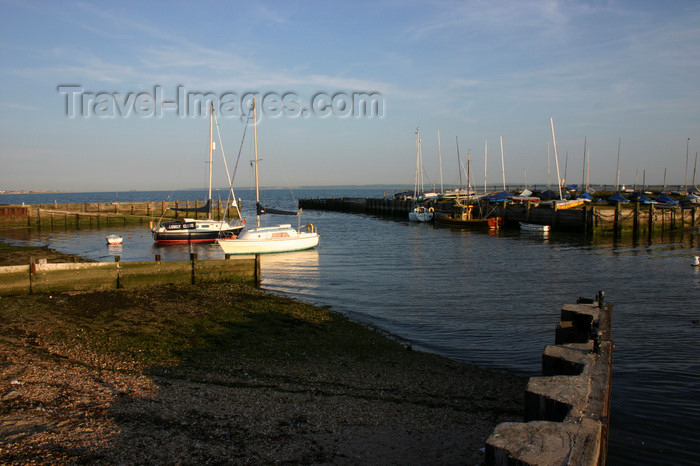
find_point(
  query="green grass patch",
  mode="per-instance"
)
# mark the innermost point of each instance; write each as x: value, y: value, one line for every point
x: 168, y: 325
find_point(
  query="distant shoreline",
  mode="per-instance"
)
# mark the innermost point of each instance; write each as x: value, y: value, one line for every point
x: 24, y: 191
x: 386, y: 187
x: 52, y: 191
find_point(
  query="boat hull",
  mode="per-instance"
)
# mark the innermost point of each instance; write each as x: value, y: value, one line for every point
x: 266, y: 245
x: 114, y: 240
x: 534, y: 227
x: 485, y: 223
x: 424, y: 216
x: 188, y: 231
x: 262, y: 240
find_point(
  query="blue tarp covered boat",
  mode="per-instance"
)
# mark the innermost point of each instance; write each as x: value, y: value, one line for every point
x: 665, y: 200
x: 617, y: 197
x: 642, y: 199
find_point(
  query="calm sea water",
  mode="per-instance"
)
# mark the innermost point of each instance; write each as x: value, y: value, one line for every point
x: 489, y: 299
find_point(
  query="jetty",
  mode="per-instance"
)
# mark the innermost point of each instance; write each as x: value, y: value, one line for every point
x: 636, y: 219
x: 567, y: 408
x: 97, y: 214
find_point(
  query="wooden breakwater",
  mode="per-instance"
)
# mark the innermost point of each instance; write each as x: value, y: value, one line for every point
x: 41, y: 277
x: 634, y: 218
x: 386, y: 207
x: 567, y: 408
x: 96, y: 214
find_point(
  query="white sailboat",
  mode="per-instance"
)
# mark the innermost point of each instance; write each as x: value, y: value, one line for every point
x: 561, y: 203
x: 192, y: 230
x: 279, y: 238
x: 420, y: 213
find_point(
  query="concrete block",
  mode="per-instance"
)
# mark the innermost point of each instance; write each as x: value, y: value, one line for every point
x: 567, y: 409
x: 565, y: 332
x: 583, y: 315
x: 554, y: 398
x: 565, y: 360
x: 544, y: 443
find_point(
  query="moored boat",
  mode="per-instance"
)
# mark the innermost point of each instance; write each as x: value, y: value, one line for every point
x: 666, y: 201
x: 691, y: 200
x: 618, y: 198
x: 193, y: 230
x: 462, y: 217
x: 534, y: 227
x: 279, y: 238
x: 189, y: 230
x: 568, y: 203
x: 421, y: 213
x: 114, y: 240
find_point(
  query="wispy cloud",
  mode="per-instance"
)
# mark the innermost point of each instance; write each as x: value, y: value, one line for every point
x: 170, y: 59
x: 20, y: 106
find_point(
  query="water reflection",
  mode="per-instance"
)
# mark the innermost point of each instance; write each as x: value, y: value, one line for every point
x: 292, y: 272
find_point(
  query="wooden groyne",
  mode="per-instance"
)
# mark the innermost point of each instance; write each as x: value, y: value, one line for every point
x: 95, y: 214
x: 635, y: 219
x: 41, y: 277
x: 567, y: 409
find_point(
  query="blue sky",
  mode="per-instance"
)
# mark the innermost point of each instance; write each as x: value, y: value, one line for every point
x: 476, y: 70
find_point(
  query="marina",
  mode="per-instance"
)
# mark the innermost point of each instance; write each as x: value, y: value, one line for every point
x: 592, y: 219
x: 462, y: 294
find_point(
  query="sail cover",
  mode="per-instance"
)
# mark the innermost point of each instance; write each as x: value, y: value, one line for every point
x: 262, y: 210
x: 204, y: 209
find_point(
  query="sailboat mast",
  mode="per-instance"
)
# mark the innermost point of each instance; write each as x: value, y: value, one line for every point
x: 583, y: 172
x: 459, y: 163
x: 416, y: 189
x: 664, y: 188
x: 469, y: 184
x: 442, y: 190
x: 486, y: 153
x: 420, y: 167
x: 549, y: 170
x: 503, y: 166
x: 617, y: 179
x: 588, y: 168
x: 211, y: 148
x: 255, y: 138
x: 687, y: 146
x: 556, y: 158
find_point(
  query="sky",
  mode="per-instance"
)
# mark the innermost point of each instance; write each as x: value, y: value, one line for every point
x: 104, y: 96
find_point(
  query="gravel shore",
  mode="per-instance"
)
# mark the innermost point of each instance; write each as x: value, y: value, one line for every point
x: 229, y: 374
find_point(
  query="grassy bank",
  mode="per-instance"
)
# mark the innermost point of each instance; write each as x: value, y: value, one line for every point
x: 228, y: 373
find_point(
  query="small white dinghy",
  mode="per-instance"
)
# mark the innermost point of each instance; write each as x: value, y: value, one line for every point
x: 696, y: 261
x: 114, y: 240
x: 533, y: 227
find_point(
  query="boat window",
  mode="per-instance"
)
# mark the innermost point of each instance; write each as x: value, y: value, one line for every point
x: 282, y: 234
